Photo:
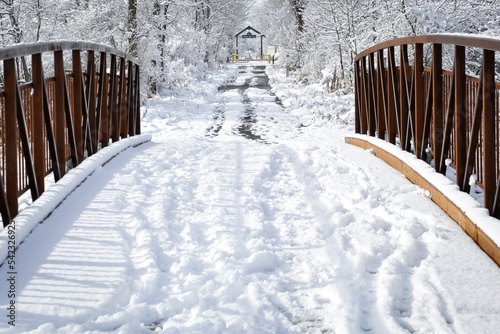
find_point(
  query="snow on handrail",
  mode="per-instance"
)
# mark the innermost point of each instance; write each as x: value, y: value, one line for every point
x: 49, y: 125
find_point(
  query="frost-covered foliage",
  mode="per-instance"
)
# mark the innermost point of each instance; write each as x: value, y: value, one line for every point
x: 171, y: 37
x: 166, y: 35
x: 331, y: 32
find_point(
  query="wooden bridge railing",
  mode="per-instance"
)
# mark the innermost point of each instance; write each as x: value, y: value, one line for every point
x: 436, y: 114
x: 51, y: 124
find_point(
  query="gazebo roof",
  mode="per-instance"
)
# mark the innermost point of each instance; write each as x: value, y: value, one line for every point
x: 247, y: 28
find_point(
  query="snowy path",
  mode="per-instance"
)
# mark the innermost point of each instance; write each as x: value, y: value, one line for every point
x: 205, y: 230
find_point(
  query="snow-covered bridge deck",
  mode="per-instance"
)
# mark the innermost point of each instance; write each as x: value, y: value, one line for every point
x: 241, y: 216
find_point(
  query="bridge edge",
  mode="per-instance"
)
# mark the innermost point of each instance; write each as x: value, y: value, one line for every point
x: 487, y: 244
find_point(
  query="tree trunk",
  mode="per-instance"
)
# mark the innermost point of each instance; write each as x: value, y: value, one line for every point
x: 132, y: 26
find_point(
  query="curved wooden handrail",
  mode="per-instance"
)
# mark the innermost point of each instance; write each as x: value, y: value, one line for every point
x: 477, y: 41
x: 70, y: 115
x: 435, y: 113
x: 20, y: 50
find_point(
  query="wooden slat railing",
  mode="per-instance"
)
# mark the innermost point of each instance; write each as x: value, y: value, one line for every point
x: 434, y: 113
x: 49, y: 125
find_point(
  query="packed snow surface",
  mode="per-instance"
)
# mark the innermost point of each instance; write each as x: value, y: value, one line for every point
x: 247, y: 213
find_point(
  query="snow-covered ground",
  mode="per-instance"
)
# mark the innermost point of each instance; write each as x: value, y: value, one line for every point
x: 247, y: 213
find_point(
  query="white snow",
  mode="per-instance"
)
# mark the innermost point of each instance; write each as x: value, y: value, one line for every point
x: 204, y: 230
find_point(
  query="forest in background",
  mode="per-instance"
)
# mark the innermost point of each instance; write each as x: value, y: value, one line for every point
x: 179, y: 39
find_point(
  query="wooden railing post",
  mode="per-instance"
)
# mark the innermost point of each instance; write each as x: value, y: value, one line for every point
x: 381, y: 105
x: 122, y: 101
x: 392, y: 100
x: 419, y: 99
x: 38, y: 138
x: 114, y: 125
x: 460, y: 115
x: 357, y: 99
x: 137, y: 96
x: 59, y: 111
x: 365, y: 97
x: 437, y: 100
x: 102, y: 104
x: 78, y: 101
x: 489, y: 125
x: 91, y: 90
x: 404, y: 107
x: 372, y: 126
x: 130, y: 95
x: 11, y: 170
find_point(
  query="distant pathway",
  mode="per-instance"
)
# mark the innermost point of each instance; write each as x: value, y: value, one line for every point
x: 240, y: 217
